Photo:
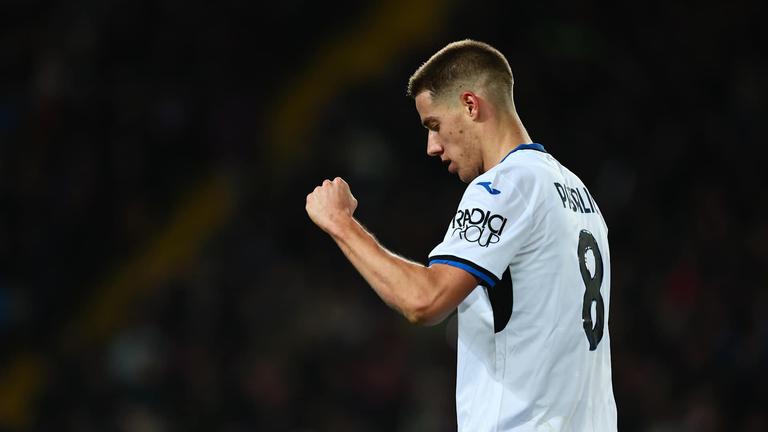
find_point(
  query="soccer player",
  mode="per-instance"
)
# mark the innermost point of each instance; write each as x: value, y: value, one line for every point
x: 525, y: 258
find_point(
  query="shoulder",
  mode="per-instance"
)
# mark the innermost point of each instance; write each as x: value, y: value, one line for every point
x: 511, y: 185
x: 524, y: 171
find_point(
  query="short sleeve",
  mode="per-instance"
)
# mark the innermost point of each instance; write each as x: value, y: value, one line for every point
x: 490, y: 226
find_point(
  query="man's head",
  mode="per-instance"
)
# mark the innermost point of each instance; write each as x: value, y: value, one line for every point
x: 456, y: 91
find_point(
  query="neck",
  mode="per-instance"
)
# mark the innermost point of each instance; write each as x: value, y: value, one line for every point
x: 507, y: 134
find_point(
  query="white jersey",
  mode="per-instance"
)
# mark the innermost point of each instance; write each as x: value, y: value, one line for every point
x: 533, y: 344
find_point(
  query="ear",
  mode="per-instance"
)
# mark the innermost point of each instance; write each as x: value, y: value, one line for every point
x: 471, y: 104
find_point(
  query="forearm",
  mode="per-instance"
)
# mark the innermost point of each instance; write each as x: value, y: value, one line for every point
x: 422, y: 294
x: 404, y: 285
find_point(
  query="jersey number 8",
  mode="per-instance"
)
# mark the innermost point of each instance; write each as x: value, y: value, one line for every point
x: 592, y: 281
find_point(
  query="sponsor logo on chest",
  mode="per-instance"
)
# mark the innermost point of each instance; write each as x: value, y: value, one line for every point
x: 479, y: 226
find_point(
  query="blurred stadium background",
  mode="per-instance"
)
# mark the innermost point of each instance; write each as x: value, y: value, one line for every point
x: 158, y: 272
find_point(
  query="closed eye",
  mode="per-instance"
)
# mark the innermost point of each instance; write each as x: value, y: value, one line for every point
x: 434, y: 127
x: 431, y: 124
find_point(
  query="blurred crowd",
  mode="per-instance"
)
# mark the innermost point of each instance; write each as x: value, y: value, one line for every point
x: 112, y: 113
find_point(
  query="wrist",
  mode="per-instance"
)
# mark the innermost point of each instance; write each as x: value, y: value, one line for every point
x: 341, y: 227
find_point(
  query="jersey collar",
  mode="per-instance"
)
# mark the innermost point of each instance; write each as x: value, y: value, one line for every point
x: 532, y: 146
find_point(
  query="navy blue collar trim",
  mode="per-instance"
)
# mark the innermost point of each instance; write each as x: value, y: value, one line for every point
x: 532, y: 146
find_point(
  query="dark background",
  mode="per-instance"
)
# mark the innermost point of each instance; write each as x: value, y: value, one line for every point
x: 158, y: 271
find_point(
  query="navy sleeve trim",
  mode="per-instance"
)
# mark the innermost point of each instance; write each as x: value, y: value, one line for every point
x: 487, y: 278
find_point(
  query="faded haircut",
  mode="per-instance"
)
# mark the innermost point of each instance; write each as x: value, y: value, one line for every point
x: 465, y: 64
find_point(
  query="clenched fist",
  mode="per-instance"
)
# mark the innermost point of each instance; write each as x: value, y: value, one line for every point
x: 331, y: 204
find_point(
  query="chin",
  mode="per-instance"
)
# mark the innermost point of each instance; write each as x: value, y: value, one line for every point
x: 467, y: 177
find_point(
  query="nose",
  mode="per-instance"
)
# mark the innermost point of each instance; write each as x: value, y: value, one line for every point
x: 433, y: 146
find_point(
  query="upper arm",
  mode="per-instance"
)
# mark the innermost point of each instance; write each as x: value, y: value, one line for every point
x: 489, y: 229
x: 450, y: 285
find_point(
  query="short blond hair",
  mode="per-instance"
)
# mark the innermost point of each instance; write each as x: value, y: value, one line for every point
x: 466, y: 62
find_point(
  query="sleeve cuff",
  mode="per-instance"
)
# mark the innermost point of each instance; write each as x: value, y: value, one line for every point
x: 487, y: 278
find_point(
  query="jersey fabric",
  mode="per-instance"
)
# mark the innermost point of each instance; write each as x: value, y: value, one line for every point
x: 533, y: 343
